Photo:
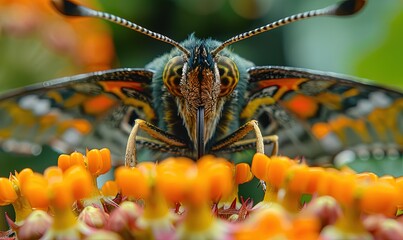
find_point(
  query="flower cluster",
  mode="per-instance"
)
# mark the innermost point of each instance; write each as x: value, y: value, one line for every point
x: 182, y: 199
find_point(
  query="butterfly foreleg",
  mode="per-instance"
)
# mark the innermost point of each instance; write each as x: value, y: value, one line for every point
x: 167, y: 140
x: 246, y: 144
x: 159, y: 146
x: 236, y: 139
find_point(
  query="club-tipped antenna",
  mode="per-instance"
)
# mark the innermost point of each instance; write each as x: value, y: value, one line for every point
x: 69, y: 8
x: 345, y: 8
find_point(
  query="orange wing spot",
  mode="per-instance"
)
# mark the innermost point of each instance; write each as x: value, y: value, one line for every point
x: 330, y: 100
x: 48, y: 120
x: 386, y: 120
x: 302, y: 106
x: 81, y: 125
x: 75, y: 100
x: 320, y: 130
x: 22, y: 117
x: 98, y: 105
x: 5, y: 133
x: 351, y: 93
x: 287, y: 83
x: 253, y: 105
x: 116, y: 86
x: 55, y: 95
x: 340, y: 124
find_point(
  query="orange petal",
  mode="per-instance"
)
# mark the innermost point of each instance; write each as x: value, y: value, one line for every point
x: 298, y: 178
x: 35, y: 190
x: 61, y: 195
x: 132, y: 182
x: 77, y: 158
x: 367, y: 176
x: 7, y: 192
x: 172, y: 185
x: 220, y: 179
x: 243, y: 173
x: 399, y: 186
x: 379, y: 198
x: 110, y: 188
x: 179, y: 164
x: 106, y: 160
x: 277, y: 169
x: 306, y: 228
x: 260, y: 163
x: 79, y: 181
x: 198, y: 193
x: 387, y: 179
x: 147, y: 168
x: 53, y: 174
x: 94, y: 161
x: 24, y: 175
x: 206, y: 161
x: 344, y: 188
x: 315, y: 177
x: 64, y: 162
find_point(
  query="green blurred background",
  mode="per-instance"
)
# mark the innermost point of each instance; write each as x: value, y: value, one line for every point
x: 367, y: 45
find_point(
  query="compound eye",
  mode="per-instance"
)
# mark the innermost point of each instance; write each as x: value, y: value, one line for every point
x: 172, y: 75
x: 229, y: 75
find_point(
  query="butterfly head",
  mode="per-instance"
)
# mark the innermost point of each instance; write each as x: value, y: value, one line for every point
x: 200, y: 81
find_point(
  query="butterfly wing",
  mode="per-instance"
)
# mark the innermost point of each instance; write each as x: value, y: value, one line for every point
x: 91, y: 110
x: 318, y: 115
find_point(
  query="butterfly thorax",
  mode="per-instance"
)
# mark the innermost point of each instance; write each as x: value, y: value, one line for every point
x: 200, y: 87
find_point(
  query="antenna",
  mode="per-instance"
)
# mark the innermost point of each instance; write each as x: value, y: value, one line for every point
x: 345, y: 8
x: 69, y: 8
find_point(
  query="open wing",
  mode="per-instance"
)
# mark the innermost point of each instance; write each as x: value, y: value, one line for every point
x: 318, y: 115
x: 91, y: 110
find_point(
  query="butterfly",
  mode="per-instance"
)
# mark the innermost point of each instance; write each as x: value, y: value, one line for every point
x: 202, y: 98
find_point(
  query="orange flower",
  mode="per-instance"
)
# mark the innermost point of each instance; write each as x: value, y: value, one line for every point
x: 110, y: 188
x: 35, y: 189
x: 132, y: 182
x: 219, y: 176
x: 96, y: 161
x: 243, y: 173
x: 175, y: 172
x: 65, y: 161
x: 7, y: 192
x: 380, y: 198
x: 181, y: 199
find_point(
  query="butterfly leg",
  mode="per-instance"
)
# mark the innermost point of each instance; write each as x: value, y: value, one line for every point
x: 236, y: 138
x: 235, y: 141
x: 159, y: 146
x: 246, y: 144
x: 153, y: 131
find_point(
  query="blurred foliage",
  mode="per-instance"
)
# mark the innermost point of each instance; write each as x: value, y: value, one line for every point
x: 37, y: 63
x: 331, y: 44
x: 37, y: 43
x: 349, y: 45
x: 385, y: 62
x: 366, y: 45
x: 177, y: 19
